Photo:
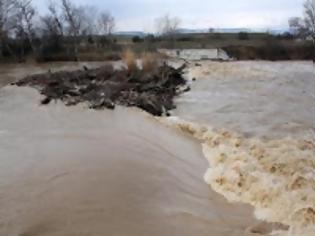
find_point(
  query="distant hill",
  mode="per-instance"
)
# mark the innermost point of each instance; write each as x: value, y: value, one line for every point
x: 217, y: 30
x: 131, y: 33
x: 233, y: 30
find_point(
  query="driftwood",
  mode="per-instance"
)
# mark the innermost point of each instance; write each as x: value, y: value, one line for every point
x: 105, y: 87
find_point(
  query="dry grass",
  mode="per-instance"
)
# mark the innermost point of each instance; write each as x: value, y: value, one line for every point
x: 149, y: 61
x: 130, y: 60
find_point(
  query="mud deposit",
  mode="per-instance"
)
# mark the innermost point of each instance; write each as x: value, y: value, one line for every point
x: 151, y: 90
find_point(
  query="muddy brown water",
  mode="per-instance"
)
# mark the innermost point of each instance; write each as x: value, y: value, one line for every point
x: 255, y: 98
x: 73, y: 171
x: 266, y: 154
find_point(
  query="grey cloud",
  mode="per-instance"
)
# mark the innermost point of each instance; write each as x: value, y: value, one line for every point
x: 140, y: 14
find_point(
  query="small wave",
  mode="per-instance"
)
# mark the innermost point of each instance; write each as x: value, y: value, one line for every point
x: 277, y: 177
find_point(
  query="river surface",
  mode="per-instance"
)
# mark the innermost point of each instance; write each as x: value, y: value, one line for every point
x: 265, y: 99
x: 69, y: 171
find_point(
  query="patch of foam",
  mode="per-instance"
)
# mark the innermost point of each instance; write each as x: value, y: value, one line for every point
x: 218, y: 69
x: 277, y: 177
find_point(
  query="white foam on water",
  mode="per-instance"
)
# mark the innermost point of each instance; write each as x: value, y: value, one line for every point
x: 277, y: 176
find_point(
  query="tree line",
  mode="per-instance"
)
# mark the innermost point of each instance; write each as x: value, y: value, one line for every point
x: 66, y: 25
x: 305, y: 26
x: 23, y: 30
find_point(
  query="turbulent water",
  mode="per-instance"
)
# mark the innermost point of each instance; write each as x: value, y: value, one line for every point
x: 270, y: 161
x: 73, y: 171
x: 277, y: 177
x: 261, y: 99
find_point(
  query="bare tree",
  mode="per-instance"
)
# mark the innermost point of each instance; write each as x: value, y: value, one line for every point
x: 106, y: 23
x: 72, y: 16
x: 80, y: 20
x: 53, y: 21
x: 305, y: 26
x: 309, y: 18
x: 25, y: 22
x: 211, y: 30
x: 52, y: 28
x: 295, y: 25
x: 168, y: 26
x: 8, y: 15
x: 51, y: 33
x: 89, y: 20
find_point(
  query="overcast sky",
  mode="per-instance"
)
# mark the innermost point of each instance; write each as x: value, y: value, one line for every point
x: 141, y: 14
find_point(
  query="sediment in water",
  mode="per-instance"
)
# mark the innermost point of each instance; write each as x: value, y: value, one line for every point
x: 277, y: 177
x: 69, y: 171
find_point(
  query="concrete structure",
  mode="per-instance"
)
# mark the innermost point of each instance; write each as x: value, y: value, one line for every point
x: 196, y: 54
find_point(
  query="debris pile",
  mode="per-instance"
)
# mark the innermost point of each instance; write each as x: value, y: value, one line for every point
x: 105, y: 87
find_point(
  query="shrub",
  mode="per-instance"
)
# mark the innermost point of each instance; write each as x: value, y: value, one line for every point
x: 216, y: 36
x: 243, y: 36
x: 137, y: 39
x: 129, y: 58
x: 90, y: 39
x: 103, y: 41
x: 151, y: 38
x: 272, y: 50
x: 185, y: 39
x: 286, y: 36
x: 149, y: 61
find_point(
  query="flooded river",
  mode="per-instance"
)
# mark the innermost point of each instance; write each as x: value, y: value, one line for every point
x: 265, y: 99
x: 72, y: 171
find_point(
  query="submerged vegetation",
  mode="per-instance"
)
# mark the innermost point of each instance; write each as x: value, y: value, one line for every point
x: 151, y: 88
